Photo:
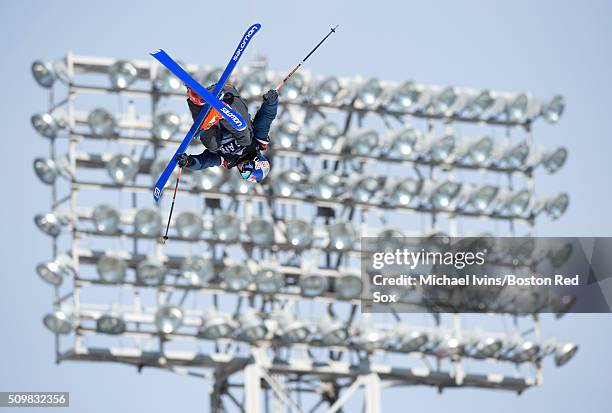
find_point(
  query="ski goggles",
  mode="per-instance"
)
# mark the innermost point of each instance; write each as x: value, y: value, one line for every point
x: 246, y: 170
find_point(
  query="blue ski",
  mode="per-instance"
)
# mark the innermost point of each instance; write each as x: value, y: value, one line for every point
x: 229, y: 114
x: 161, y: 182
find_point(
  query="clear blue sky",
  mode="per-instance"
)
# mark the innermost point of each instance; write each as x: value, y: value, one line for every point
x: 546, y: 47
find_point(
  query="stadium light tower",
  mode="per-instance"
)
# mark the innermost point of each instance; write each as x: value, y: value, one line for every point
x: 262, y: 282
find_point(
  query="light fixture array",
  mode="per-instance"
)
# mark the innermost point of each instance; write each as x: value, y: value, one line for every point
x: 293, y: 240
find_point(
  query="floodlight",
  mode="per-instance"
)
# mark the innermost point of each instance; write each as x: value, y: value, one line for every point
x: 406, y: 95
x: 443, y: 101
x: 59, y: 322
x: 449, y: 346
x: 559, y: 256
x: 369, y: 339
x: 328, y: 186
x: 298, y: 233
x: 552, y: 110
x: 122, y: 168
x: 517, y: 203
x: 327, y: 90
x: 49, y: 223
x: 286, y: 135
x: 253, y: 83
x: 565, y: 352
x: 526, y: 351
x: 479, y: 104
x: 286, y: 183
x: 332, y: 332
x: 216, y: 325
x: 106, y: 219
x: 365, y: 188
x: 479, y: 152
x: 111, y: 269
x: 481, y: 198
x: 369, y: 92
x: 45, y: 124
x: 189, y: 224
x: 325, y: 137
x: 208, y: 178
x: 55, y: 271
x: 554, y: 160
x: 289, y: 329
x: 226, y: 227
x: 237, y: 277
x: 556, y: 206
x: 147, y: 222
x: 515, y: 156
x: 166, y: 81
x: 158, y: 166
x: 292, y: 89
x: 341, y: 236
x: 387, y: 240
x: 237, y: 185
x: 168, y: 318
x: 60, y: 70
x: 252, y: 327
x: 402, y: 144
x: 487, y: 347
x: 441, y: 149
x: 46, y: 170
x: 165, y: 125
x: 122, y: 74
x: 150, y: 272
x: 519, y: 249
x: 197, y: 270
x: 402, y: 193
x: 101, y: 122
x: 563, y: 305
x: 110, y: 324
x: 412, y: 340
x: 269, y: 280
x: 261, y: 232
x: 444, y: 194
x: 313, y: 285
x: 43, y: 73
x: 516, y: 109
x: 348, y: 286
x: 364, y: 143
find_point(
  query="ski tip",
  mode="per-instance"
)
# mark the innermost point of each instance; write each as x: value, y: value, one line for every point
x: 156, y: 194
x: 153, y: 53
x: 258, y: 25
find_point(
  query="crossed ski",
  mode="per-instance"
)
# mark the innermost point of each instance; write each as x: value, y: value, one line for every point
x: 211, y: 99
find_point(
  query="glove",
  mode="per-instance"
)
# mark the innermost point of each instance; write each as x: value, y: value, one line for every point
x: 184, y: 160
x: 271, y: 96
x: 263, y: 144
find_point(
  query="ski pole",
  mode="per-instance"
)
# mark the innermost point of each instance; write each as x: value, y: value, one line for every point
x: 282, y: 82
x: 178, y: 178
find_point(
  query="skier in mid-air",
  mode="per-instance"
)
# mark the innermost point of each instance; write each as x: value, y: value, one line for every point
x: 226, y: 146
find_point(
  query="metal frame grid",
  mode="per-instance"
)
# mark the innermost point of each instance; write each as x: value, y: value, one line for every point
x: 279, y: 352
